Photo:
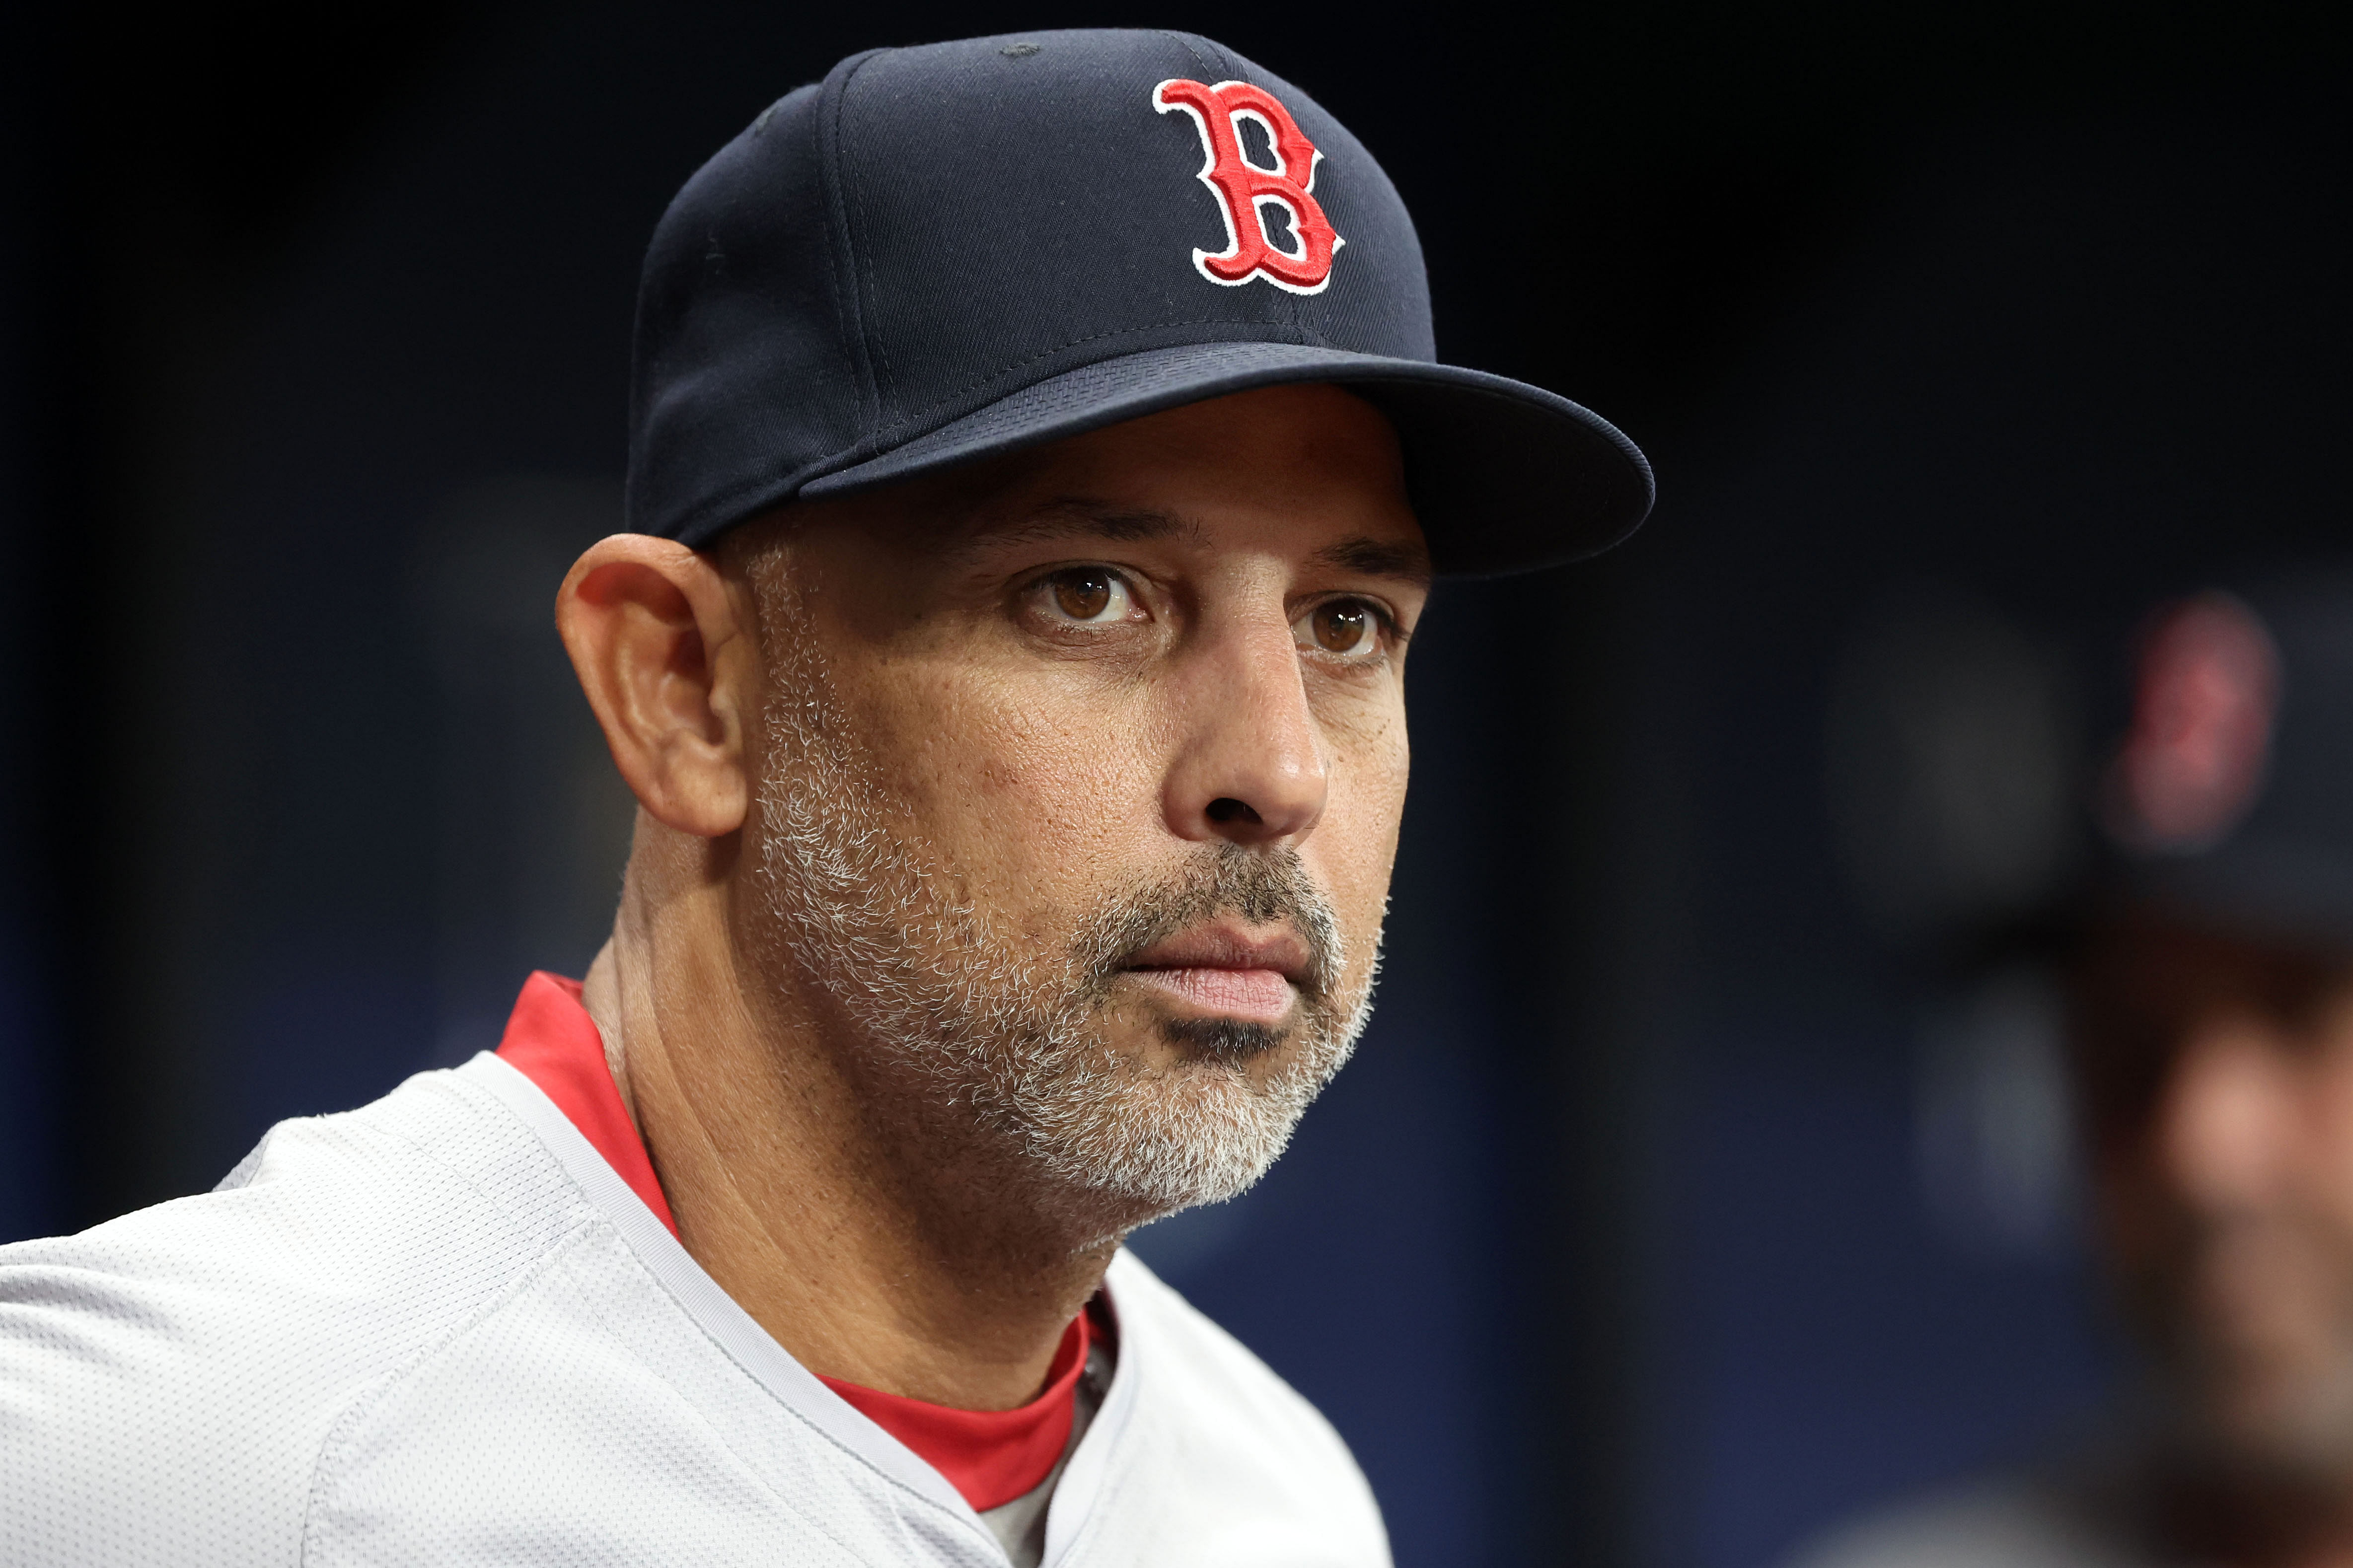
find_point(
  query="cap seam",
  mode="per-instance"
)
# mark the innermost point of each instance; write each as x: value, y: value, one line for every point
x: 1191, y: 43
x: 854, y: 209
x: 850, y: 297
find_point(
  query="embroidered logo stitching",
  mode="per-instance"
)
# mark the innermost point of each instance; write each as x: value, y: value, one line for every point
x: 1245, y: 190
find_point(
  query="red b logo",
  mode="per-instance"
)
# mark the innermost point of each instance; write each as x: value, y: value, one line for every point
x: 2201, y: 734
x: 1243, y: 189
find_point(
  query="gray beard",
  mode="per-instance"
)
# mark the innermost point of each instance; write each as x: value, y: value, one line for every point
x: 1007, y: 1036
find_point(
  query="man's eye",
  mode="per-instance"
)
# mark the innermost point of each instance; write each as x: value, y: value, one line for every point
x: 1090, y: 594
x: 1343, y: 626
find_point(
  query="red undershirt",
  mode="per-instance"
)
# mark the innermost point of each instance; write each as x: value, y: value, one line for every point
x: 991, y: 1456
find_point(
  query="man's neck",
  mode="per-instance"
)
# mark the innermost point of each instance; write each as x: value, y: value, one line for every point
x: 821, y: 1214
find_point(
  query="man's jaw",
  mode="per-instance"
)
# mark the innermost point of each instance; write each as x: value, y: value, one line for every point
x: 1222, y: 970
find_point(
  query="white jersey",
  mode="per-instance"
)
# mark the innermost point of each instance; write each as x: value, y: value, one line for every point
x: 440, y: 1329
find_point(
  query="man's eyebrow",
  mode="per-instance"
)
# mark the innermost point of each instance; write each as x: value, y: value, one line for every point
x: 1074, y: 519
x: 1377, y: 558
x: 1078, y: 519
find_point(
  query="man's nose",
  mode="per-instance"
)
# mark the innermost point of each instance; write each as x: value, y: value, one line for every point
x: 2227, y: 1124
x: 1249, y: 766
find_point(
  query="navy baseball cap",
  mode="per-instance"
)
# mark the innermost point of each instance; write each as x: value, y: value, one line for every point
x: 945, y: 253
x: 2231, y: 795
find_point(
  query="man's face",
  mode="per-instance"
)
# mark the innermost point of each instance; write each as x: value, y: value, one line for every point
x: 2220, y: 1086
x: 1079, y: 783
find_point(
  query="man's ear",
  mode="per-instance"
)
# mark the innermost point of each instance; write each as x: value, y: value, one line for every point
x: 662, y: 647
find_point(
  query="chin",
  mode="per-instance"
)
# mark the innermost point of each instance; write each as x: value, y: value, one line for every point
x: 1235, y: 1041
x: 1201, y: 1133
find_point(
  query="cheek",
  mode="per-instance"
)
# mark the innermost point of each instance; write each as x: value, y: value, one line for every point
x: 1029, y: 785
x: 1354, y: 846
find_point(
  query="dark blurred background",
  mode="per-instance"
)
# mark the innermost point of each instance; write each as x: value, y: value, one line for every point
x: 1689, y: 1190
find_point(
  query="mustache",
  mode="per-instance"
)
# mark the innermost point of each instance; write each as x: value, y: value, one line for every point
x: 1261, y: 886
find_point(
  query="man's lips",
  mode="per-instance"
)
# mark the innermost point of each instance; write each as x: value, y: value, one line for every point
x: 1253, y: 996
x: 1226, y: 971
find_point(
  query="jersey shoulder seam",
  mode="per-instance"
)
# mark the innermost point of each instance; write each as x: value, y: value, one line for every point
x: 361, y: 1405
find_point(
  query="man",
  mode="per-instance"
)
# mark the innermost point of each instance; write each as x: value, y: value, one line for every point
x: 2213, y: 1024
x: 1038, y: 464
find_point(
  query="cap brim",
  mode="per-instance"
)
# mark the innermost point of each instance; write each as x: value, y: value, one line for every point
x: 1503, y: 476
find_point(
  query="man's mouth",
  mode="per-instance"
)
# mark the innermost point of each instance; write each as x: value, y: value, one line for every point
x: 1223, y: 970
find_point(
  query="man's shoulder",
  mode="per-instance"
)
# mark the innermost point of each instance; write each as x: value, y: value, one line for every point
x: 393, y: 1216
x: 1218, y: 1421
x: 179, y: 1369
x: 2013, y: 1521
